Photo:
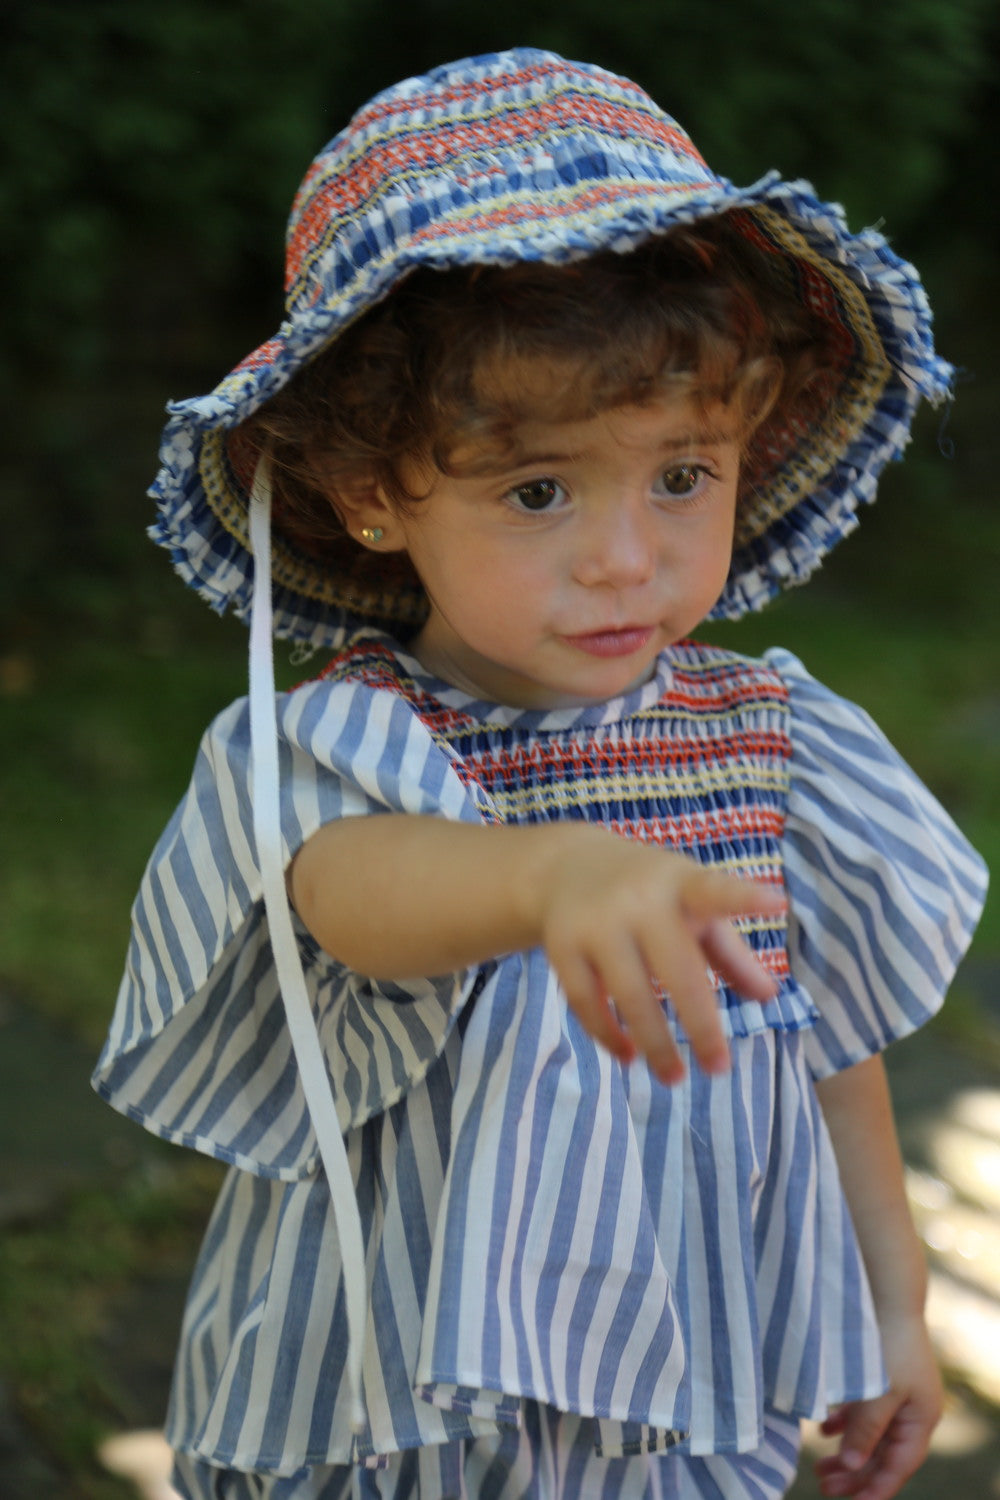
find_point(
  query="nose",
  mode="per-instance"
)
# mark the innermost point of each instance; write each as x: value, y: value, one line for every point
x: 616, y: 547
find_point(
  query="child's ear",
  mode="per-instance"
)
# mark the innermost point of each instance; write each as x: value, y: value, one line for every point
x: 368, y: 517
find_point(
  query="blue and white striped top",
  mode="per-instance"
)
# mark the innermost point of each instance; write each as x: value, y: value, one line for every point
x: 541, y: 1224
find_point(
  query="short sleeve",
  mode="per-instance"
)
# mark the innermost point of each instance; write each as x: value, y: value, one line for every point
x: 198, y: 1050
x: 884, y: 890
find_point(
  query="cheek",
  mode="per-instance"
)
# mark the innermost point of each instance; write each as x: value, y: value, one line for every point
x: 492, y: 598
x: 723, y: 543
x: 706, y: 561
x: 723, y: 533
x: 494, y: 567
x: 499, y: 592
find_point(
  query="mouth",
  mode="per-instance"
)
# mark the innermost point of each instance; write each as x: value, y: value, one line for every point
x: 620, y: 642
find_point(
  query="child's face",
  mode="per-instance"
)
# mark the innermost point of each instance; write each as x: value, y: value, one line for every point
x: 558, y: 578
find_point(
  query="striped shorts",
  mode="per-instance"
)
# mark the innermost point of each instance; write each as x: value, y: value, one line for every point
x: 551, y: 1457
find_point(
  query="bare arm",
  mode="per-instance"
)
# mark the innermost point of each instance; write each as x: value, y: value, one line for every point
x: 395, y: 896
x: 883, y: 1440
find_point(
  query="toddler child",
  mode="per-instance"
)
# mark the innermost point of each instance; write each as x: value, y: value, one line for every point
x: 530, y: 966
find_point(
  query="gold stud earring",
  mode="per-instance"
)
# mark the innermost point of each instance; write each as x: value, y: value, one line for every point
x: 372, y: 534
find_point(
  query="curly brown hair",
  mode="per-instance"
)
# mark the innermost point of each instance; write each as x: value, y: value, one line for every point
x: 701, y: 312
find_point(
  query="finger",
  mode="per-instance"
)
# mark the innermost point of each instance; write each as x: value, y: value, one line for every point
x: 899, y: 1454
x: 590, y: 1003
x: 834, y: 1422
x: 625, y: 977
x: 862, y: 1433
x: 865, y: 1424
x: 709, y: 894
x: 899, y: 1451
x: 736, y: 961
x: 677, y: 962
x: 881, y: 1477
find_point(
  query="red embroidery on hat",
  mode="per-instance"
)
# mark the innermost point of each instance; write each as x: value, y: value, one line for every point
x: 400, y: 161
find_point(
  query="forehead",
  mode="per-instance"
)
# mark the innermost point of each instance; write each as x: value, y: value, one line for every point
x: 665, y: 425
x: 518, y: 387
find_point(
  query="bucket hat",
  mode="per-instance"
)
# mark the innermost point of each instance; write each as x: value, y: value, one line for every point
x: 522, y: 156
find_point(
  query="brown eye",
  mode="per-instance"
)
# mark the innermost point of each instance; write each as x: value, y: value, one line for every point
x: 682, y: 480
x: 537, y: 495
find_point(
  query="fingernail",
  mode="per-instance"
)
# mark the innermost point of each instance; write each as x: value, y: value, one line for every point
x: 852, y: 1460
x: 671, y: 1074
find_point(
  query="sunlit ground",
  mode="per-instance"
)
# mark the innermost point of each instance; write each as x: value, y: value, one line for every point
x: 144, y: 1459
x: 955, y: 1197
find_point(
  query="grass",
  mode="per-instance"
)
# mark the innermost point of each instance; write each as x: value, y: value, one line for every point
x: 60, y: 1280
x: 96, y: 744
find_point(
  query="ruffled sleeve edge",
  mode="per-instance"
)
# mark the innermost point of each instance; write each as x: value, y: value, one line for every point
x: 885, y: 891
x: 199, y: 962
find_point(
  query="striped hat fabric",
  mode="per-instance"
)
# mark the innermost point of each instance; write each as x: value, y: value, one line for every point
x: 522, y: 156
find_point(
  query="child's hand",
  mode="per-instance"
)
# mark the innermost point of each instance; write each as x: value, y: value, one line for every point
x: 614, y: 916
x: 883, y: 1441
x: 618, y: 915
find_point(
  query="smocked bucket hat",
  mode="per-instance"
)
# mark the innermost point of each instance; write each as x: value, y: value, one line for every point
x: 522, y: 156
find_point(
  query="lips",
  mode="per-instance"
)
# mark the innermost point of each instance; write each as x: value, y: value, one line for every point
x: 619, y: 642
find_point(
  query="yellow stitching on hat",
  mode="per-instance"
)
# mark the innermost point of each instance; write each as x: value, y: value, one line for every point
x: 857, y: 398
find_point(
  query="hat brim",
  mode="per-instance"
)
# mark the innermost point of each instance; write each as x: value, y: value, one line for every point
x: 808, y: 500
